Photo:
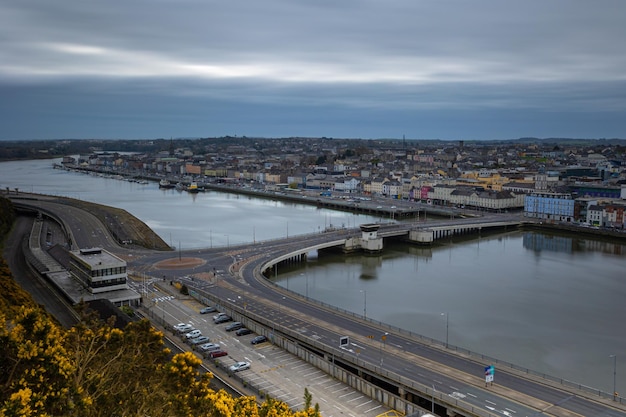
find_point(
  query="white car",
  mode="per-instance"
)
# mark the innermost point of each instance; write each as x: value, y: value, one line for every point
x: 217, y: 316
x: 183, y: 327
x: 193, y: 334
x: 239, y: 366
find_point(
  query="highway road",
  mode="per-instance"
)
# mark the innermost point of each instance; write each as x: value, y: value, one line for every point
x: 41, y: 290
x: 402, y: 357
x: 277, y: 373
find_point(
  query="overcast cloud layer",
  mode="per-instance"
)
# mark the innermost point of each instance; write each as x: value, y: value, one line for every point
x: 482, y: 69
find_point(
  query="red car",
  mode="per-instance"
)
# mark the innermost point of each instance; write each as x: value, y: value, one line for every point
x: 218, y: 353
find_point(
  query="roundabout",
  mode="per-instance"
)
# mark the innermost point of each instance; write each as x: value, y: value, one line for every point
x: 180, y: 263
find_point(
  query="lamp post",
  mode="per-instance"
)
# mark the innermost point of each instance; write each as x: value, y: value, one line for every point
x: 280, y: 305
x: 383, y: 340
x: 280, y: 313
x: 432, y: 408
x: 364, y: 303
x: 447, y: 326
x: 614, y: 376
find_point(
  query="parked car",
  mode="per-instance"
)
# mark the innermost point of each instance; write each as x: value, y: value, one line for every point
x: 199, y: 341
x: 192, y: 334
x: 207, y: 309
x: 209, y: 347
x: 243, y: 331
x: 239, y: 366
x: 223, y: 319
x: 183, y: 327
x: 218, y: 315
x: 218, y: 353
x: 234, y: 326
x: 258, y: 339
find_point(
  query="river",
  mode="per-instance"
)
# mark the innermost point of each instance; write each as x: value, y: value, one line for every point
x: 551, y: 303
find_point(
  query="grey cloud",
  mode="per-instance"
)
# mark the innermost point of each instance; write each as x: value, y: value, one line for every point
x: 395, y: 62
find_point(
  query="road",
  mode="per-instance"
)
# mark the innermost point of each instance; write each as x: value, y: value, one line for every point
x: 454, y: 378
x: 273, y: 371
x: 41, y: 291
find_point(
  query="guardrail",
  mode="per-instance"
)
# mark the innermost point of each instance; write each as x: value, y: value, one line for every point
x: 238, y: 311
x: 425, y: 391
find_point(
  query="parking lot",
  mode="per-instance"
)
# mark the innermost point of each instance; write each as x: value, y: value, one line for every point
x: 273, y: 371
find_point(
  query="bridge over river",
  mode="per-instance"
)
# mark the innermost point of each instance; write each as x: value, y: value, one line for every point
x: 405, y: 371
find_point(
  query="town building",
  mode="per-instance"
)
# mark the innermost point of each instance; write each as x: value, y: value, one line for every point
x: 103, y: 274
x: 550, y: 206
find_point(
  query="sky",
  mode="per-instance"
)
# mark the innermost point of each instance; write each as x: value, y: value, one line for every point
x: 420, y: 69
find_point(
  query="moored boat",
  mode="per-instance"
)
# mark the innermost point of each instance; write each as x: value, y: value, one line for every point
x: 164, y: 183
x: 193, y: 187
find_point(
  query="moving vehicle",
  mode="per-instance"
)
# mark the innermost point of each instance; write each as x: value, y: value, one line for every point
x: 239, y: 366
x: 258, y: 339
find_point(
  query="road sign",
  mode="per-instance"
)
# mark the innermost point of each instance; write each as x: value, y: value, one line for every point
x: 344, y: 341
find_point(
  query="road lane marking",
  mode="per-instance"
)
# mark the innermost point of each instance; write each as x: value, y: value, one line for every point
x: 354, y: 399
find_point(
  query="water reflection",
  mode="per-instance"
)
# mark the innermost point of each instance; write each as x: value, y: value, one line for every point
x: 543, y: 301
x: 567, y: 244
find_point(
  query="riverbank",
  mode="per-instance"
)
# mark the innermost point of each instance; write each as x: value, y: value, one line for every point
x: 381, y: 207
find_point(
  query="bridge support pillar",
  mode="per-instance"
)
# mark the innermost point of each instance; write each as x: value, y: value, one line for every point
x: 421, y: 236
x: 370, y: 242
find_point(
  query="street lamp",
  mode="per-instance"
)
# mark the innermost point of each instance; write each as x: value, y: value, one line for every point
x: 614, y: 376
x: 306, y: 284
x: 280, y: 305
x: 432, y: 403
x: 447, y: 326
x: 277, y: 318
x: 364, y: 303
x: 383, y: 340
